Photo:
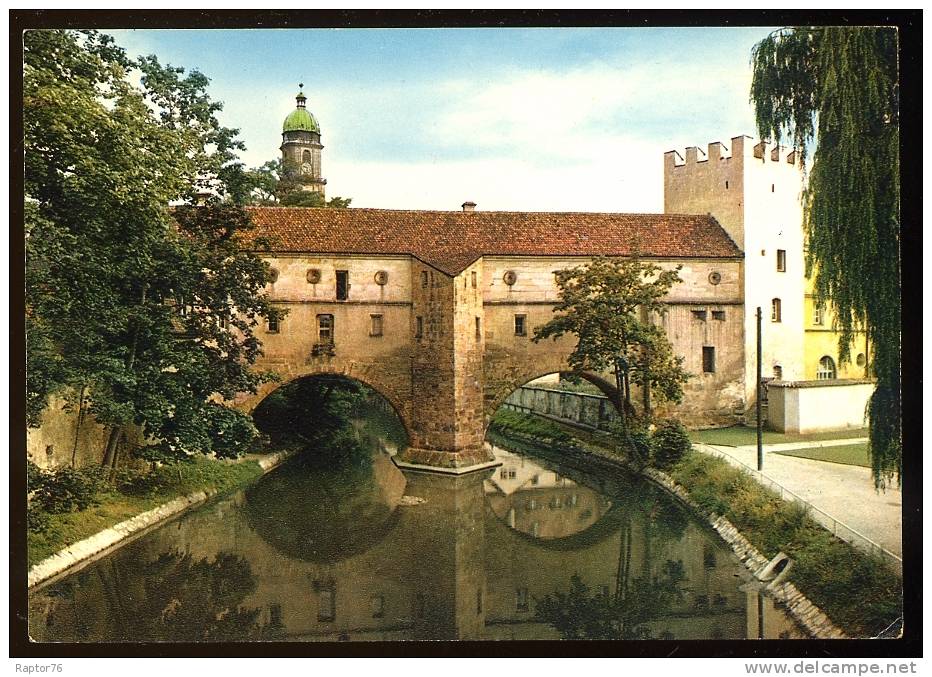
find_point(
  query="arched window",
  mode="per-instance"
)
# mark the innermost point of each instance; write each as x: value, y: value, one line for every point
x: 826, y: 368
x: 306, y: 157
x: 776, y: 312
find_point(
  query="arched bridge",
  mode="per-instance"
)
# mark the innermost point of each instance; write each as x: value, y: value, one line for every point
x: 436, y: 310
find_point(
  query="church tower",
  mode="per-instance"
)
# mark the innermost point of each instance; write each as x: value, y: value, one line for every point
x: 301, y: 146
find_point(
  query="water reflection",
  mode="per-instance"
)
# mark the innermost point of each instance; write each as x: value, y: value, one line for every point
x: 342, y: 545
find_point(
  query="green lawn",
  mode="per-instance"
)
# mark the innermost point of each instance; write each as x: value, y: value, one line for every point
x: 848, y: 454
x: 737, y: 436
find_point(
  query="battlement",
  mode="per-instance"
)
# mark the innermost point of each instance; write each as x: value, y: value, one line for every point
x: 740, y: 148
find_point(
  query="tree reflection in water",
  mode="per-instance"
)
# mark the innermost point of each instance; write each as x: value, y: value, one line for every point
x: 187, y: 599
x: 581, y: 614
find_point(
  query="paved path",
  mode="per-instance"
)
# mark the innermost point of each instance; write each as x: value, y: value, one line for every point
x: 845, y: 492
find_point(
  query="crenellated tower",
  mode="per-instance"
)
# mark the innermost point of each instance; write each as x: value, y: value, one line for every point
x: 754, y: 191
x: 301, y: 147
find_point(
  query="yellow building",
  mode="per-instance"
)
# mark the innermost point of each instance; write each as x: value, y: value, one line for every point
x: 820, y: 343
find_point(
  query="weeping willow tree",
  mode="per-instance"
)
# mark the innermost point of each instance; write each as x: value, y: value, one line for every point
x: 834, y: 90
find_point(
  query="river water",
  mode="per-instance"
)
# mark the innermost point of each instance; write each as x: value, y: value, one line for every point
x: 339, y: 544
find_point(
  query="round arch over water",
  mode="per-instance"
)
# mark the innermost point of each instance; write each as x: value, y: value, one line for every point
x: 249, y: 403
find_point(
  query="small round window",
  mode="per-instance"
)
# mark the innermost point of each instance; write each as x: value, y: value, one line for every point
x: 381, y: 277
x: 861, y: 359
x: 715, y: 277
x: 273, y: 275
x: 313, y: 276
x: 510, y: 277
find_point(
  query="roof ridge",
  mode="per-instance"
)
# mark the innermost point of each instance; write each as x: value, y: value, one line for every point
x: 490, y: 211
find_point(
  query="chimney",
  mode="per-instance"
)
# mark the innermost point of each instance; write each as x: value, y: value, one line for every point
x: 469, y: 206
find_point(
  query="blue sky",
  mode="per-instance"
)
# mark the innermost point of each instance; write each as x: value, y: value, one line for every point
x: 513, y: 119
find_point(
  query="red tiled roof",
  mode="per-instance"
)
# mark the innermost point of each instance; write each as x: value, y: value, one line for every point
x: 450, y: 241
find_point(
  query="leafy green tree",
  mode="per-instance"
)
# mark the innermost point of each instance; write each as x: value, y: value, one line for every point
x: 608, y: 305
x: 837, y: 88
x: 277, y: 182
x: 146, y: 311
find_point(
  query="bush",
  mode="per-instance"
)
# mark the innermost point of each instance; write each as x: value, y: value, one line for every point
x: 67, y: 489
x: 37, y: 520
x: 670, y: 443
x: 640, y: 448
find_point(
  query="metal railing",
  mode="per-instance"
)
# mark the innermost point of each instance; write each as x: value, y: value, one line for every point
x: 838, y: 528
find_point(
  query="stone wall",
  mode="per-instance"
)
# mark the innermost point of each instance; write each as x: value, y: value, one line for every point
x: 813, y: 406
x: 66, y: 438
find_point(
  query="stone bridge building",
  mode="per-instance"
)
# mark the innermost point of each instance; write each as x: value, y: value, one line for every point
x: 435, y: 310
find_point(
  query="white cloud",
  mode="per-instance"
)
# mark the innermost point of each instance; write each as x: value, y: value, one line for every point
x: 581, y: 140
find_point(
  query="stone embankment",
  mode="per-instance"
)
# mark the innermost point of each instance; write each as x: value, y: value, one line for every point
x: 804, y: 612
x: 104, y: 541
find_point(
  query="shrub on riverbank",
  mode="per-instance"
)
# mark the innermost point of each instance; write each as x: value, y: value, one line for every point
x: 128, y: 498
x: 670, y: 443
x: 855, y: 589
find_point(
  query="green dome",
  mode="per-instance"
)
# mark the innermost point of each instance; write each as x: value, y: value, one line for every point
x: 300, y: 120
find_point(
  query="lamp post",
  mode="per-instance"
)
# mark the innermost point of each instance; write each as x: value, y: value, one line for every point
x: 760, y: 433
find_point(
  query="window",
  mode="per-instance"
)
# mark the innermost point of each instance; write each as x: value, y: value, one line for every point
x: 325, y: 328
x: 699, y: 315
x: 861, y: 359
x: 522, y: 603
x: 708, y: 359
x: 418, y: 326
x: 275, y: 615
x: 726, y: 185
x: 274, y: 325
x: 781, y: 260
x: 718, y: 315
x: 826, y: 368
x: 326, y: 605
x: 772, y: 187
x: 818, y: 316
x: 424, y: 279
x: 535, y: 529
x: 473, y: 277
x: 342, y: 285
x: 375, y: 328
x: 776, y: 314
x: 377, y: 605
x: 520, y: 325
x: 479, y: 600
x: 478, y: 328
x: 419, y: 605
x: 306, y: 157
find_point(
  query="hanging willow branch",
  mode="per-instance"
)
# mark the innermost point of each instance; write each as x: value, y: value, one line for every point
x: 835, y: 88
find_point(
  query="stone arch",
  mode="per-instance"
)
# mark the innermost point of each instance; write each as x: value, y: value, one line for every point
x: 398, y: 400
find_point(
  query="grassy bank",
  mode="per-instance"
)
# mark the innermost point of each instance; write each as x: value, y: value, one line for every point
x: 113, y: 506
x: 857, y: 591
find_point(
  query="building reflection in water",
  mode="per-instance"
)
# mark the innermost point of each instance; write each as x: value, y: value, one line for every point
x: 365, y: 552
